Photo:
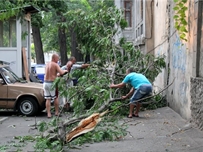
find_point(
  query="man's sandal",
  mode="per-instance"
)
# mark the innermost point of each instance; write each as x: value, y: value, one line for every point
x: 135, y: 115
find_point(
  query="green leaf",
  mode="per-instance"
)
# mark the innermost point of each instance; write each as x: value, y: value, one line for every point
x: 89, y: 88
x: 180, y: 5
x: 175, y: 16
x: 182, y: 29
x: 176, y: 8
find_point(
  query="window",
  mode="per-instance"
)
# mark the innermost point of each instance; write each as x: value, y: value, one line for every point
x: 139, y: 18
x: 8, y: 33
x: 141, y: 9
x: 128, y: 12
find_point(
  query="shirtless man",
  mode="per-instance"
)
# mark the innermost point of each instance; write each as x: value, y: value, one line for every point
x: 51, y: 70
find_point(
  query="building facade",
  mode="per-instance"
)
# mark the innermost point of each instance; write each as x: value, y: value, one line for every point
x: 151, y: 29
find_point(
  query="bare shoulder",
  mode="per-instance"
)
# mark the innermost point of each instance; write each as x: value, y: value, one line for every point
x: 53, y: 64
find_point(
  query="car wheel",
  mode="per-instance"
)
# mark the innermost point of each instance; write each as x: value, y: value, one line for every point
x: 27, y: 106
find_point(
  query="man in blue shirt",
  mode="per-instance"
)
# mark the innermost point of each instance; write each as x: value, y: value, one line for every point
x: 140, y: 86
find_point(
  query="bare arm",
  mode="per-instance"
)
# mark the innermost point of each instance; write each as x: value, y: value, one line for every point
x: 85, y: 66
x: 120, y: 85
x: 129, y: 93
x: 61, y: 72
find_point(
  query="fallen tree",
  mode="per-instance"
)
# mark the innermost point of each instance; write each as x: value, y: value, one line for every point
x: 91, y: 98
x: 88, y: 123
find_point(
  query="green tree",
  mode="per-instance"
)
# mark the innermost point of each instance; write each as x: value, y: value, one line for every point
x: 97, y: 34
x: 36, y: 23
x: 60, y: 36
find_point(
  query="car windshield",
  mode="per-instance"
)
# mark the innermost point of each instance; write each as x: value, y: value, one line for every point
x: 10, y: 76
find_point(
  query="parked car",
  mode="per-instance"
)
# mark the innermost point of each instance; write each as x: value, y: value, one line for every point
x: 25, y: 97
x: 39, y: 71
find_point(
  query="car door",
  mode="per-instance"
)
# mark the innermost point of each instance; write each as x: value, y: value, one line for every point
x: 3, y: 93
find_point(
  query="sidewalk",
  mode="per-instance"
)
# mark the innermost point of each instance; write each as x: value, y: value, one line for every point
x: 160, y: 130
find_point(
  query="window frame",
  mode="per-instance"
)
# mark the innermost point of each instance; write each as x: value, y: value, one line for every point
x: 128, y: 11
x: 8, y: 34
x: 140, y: 22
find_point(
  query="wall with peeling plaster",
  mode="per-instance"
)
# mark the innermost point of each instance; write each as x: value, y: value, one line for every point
x: 184, y: 60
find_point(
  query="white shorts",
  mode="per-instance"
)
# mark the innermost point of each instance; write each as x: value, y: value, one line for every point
x: 49, y: 93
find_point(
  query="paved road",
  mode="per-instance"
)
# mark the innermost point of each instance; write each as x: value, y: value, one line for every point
x: 160, y: 130
x: 12, y: 126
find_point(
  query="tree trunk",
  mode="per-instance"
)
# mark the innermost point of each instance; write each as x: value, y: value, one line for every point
x: 62, y: 45
x: 74, y: 51
x: 38, y: 45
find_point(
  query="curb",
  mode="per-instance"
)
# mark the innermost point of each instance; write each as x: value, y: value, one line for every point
x: 3, y: 119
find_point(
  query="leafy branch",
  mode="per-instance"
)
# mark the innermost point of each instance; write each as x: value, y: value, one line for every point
x: 180, y: 18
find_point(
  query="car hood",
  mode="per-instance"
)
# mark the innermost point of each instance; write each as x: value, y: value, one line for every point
x: 28, y: 85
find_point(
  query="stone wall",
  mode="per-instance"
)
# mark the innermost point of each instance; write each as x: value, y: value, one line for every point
x: 197, y: 101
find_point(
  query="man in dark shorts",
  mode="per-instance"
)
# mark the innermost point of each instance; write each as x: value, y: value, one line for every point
x: 140, y: 86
